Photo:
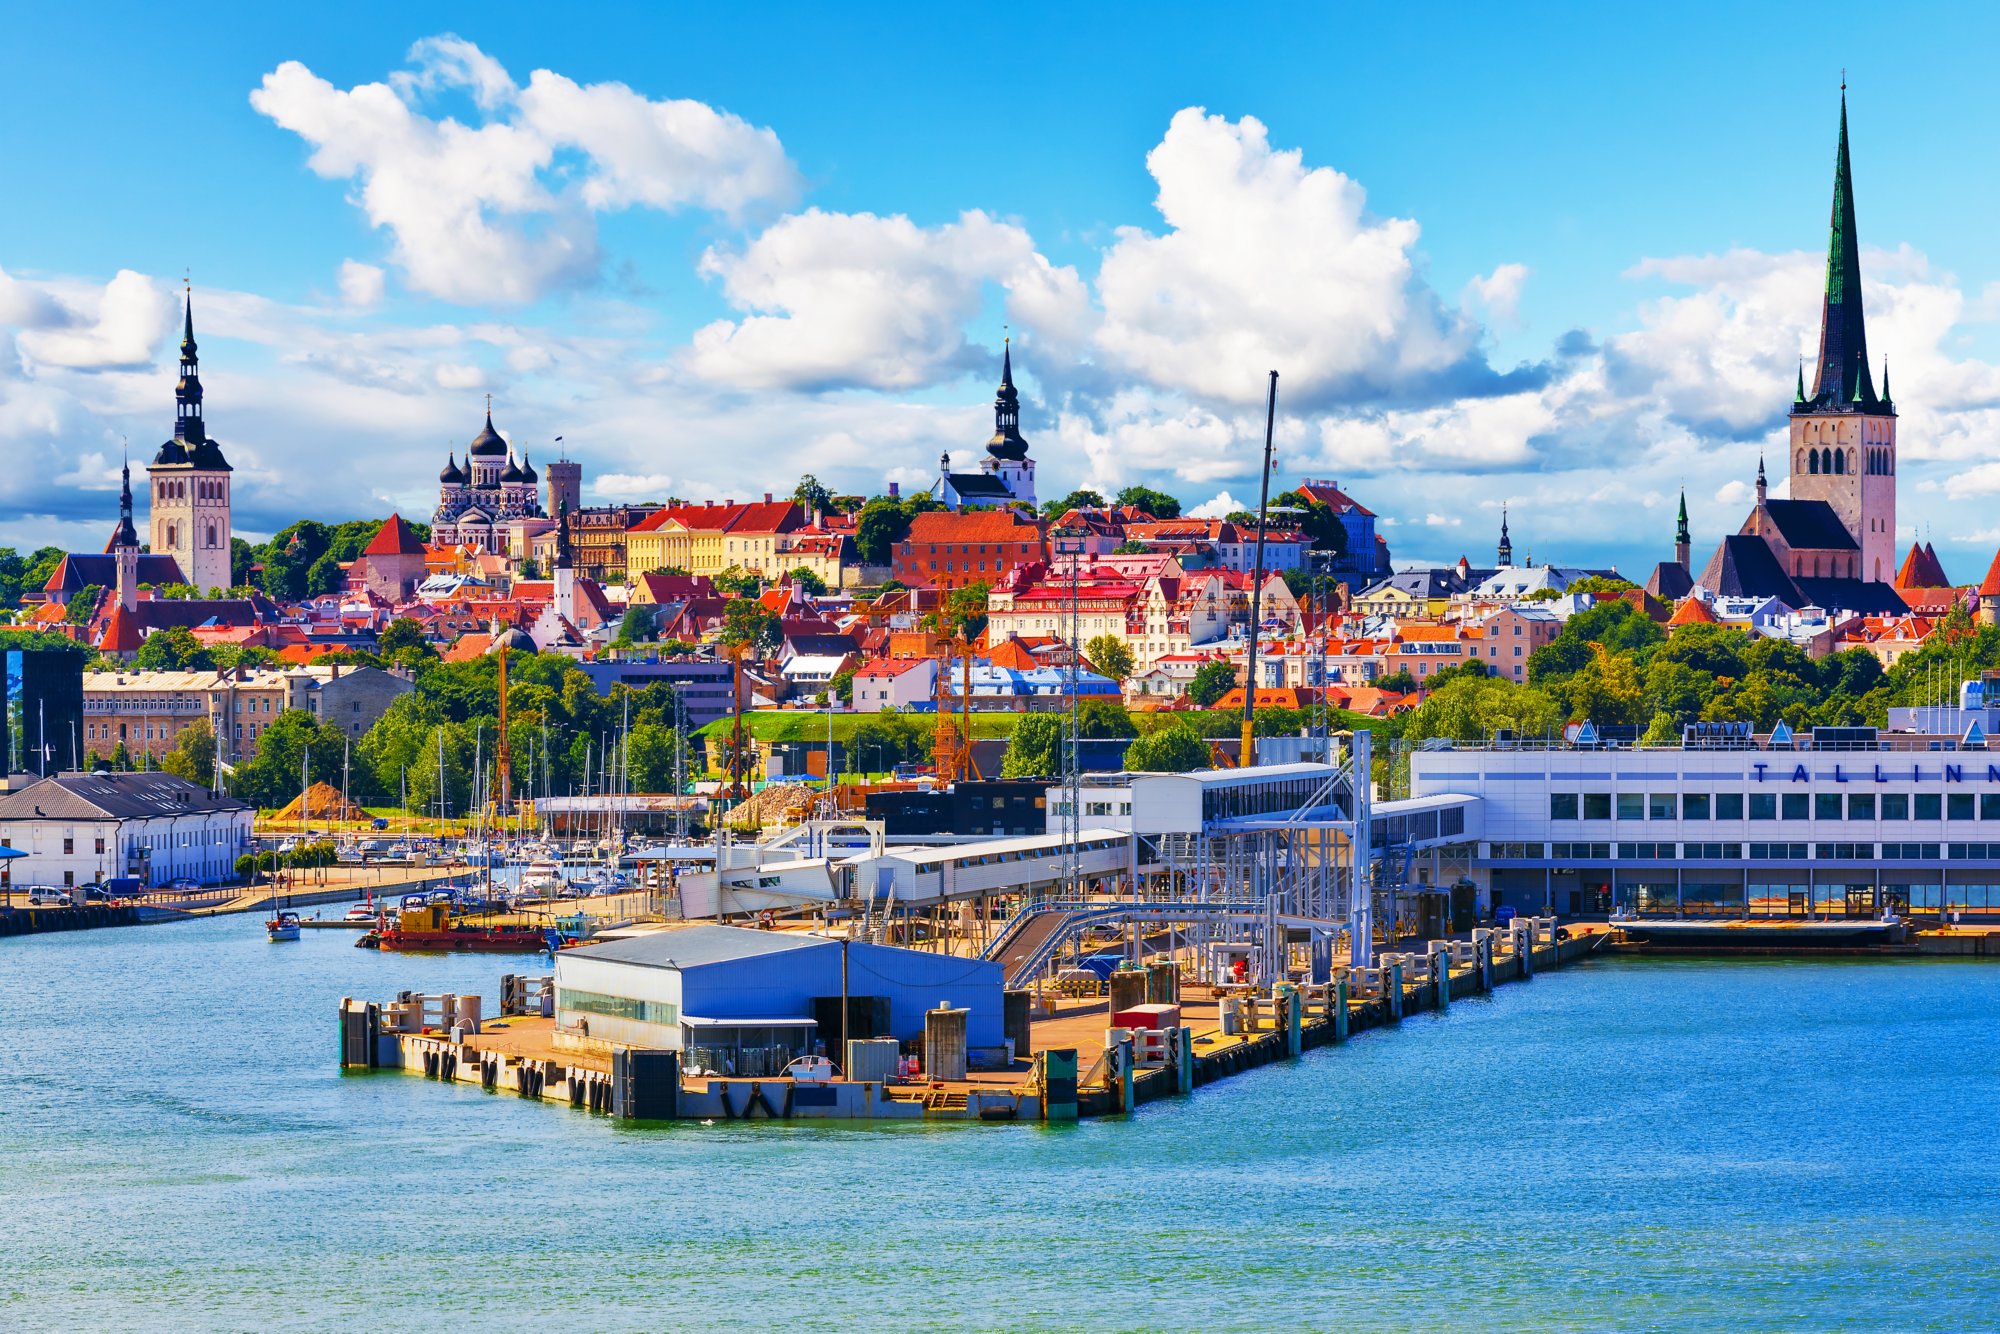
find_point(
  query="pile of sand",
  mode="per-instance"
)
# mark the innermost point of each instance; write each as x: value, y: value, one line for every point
x: 770, y: 805
x: 322, y: 802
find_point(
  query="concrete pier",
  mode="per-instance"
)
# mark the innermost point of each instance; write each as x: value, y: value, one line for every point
x: 1080, y: 1066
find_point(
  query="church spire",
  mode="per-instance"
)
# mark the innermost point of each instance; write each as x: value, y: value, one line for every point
x: 1007, y: 442
x: 1683, y: 541
x: 1761, y: 488
x: 1505, y: 551
x: 187, y: 394
x: 125, y: 535
x: 1841, y: 380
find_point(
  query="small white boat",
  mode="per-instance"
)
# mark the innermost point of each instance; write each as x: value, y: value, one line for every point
x: 285, y: 926
x: 363, y: 912
x: 542, y: 876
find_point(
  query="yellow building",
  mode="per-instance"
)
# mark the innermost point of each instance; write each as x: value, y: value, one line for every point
x: 708, y: 539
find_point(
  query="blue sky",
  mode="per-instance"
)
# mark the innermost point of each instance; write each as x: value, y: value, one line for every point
x: 1559, y: 258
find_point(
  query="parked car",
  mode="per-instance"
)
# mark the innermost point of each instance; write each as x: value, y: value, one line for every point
x: 46, y: 896
x: 124, y: 887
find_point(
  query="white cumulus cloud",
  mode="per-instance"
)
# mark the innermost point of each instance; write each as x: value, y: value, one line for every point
x: 479, y: 213
x: 1269, y: 264
x: 856, y: 299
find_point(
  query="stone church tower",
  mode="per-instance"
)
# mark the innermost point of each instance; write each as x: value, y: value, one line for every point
x: 190, y: 481
x: 1843, y: 436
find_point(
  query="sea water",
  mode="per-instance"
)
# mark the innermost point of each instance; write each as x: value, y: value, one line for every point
x: 1700, y: 1144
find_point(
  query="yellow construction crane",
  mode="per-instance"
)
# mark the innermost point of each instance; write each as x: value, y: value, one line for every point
x: 951, y: 739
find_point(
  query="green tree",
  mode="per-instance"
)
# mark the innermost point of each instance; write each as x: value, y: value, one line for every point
x: 1081, y: 499
x: 404, y: 635
x: 1711, y: 650
x: 748, y: 621
x: 843, y: 684
x: 810, y: 494
x: 289, y: 558
x: 1110, y: 656
x: 1104, y: 718
x: 1470, y: 708
x: 1175, y: 749
x: 1156, y: 503
x: 1618, y: 626
x: 737, y: 582
x: 1130, y: 548
x: 173, y: 650
x: 242, y: 559
x: 1602, y: 585
x: 325, y: 576
x: 636, y: 626
x: 83, y: 605
x: 21, y: 575
x: 651, y: 752
x: 809, y: 581
x: 1035, y: 749
x: 882, y: 524
x: 1315, y: 518
x: 456, y: 778
x: 193, y: 754
x: 965, y: 610
x: 272, y: 776
x: 1212, y: 680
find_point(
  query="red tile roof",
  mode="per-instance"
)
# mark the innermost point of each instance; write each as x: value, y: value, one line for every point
x: 1692, y: 611
x: 394, y: 538
x: 972, y: 526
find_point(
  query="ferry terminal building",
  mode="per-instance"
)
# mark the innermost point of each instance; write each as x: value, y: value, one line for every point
x: 1843, y: 821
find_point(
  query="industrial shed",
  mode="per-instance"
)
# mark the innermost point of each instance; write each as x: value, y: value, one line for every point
x: 738, y: 1001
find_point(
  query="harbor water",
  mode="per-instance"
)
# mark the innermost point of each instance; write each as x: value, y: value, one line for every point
x: 1654, y: 1144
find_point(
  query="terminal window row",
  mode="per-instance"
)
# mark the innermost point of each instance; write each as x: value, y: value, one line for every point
x: 1731, y: 852
x: 1775, y: 805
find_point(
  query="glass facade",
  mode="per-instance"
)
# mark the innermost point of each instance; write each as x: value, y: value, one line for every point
x: 617, y: 1007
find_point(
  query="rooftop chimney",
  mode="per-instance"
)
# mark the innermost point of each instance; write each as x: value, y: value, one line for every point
x: 767, y: 497
x: 895, y: 490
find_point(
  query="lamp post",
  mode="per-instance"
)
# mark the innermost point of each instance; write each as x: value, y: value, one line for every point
x: 1070, y: 542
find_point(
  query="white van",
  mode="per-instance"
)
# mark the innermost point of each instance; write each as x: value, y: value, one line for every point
x: 47, y: 896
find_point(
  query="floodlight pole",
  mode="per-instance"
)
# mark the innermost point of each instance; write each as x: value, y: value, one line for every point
x: 1249, y: 755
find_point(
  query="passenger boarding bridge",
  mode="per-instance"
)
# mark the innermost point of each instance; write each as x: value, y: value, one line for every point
x: 1238, y: 864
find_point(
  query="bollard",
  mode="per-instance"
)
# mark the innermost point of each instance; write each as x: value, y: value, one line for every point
x: 1340, y: 1009
x: 1126, y: 1064
x: 1293, y: 1018
x: 1393, y: 983
x: 1440, y: 960
x: 1058, y: 1071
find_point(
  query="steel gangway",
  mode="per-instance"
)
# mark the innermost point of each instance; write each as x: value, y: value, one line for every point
x: 1077, y: 917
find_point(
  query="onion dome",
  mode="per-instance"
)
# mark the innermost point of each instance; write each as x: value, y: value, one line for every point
x: 511, y: 639
x: 451, y: 476
x: 512, y: 472
x: 528, y: 473
x: 487, y: 444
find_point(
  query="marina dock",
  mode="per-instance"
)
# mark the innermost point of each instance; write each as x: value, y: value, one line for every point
x: 1078, y: 1065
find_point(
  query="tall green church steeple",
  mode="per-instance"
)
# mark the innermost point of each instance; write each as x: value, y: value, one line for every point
x: 1841, y: 380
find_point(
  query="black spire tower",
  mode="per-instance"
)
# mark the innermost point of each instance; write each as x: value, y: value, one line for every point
x: 1007, y: 442
x: 1505, y: 551
x: 124, y: 535
x: 190, y: 444
x: 1841, y: 381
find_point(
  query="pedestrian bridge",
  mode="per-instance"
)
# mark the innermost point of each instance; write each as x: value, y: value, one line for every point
x: 753, y: 881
